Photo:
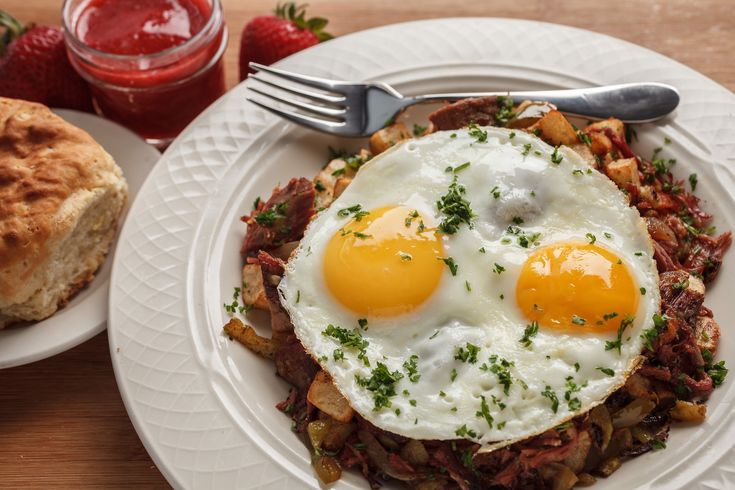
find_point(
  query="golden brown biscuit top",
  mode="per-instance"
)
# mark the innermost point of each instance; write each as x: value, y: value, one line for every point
x: 43, y: 160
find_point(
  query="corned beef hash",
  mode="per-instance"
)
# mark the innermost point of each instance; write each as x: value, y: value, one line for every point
x: 498, y: 300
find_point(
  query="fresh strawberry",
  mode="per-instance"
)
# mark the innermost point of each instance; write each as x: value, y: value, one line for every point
x: 34, y: 66
x: 268, y: 38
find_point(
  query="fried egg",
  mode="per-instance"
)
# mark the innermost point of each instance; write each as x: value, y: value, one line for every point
x: 474, y: 284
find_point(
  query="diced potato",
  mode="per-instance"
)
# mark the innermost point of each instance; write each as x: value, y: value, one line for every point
x: 600, y: 144
x: 387, y: 137
x: 337, y: 435
x: 616, y: 125
x: 327, y: 398
x: 247, y: 336
x: 415, y: 452
x: 689, y: 411
x: 341, y: 185
x: 556, y: 130
x: 585, y: 152
x: 252, y: 291
x: 707, y: 333
x: 624, y: 172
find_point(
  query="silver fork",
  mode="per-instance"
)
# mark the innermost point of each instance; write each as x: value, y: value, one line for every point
x: 356, y: 109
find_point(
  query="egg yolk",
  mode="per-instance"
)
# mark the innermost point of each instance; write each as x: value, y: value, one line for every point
x: 576, y: 287
x: 384, y: 263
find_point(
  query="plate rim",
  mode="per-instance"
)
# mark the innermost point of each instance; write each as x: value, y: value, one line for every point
x: 299, y: 61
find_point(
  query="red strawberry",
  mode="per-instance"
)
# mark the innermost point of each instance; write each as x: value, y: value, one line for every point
x: 268, y: 38
x: 34, y: 66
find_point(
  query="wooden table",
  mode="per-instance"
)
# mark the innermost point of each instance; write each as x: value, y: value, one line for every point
x: 62, y: 422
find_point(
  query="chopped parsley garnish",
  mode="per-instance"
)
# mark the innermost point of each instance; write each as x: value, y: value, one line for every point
x: 501, y: 368
x: 298, y: 296
x: 717, y: 372
x: 578, y: 320
x: 479, y: 134
x: 412, y: 403
x: 607, y: 235
x: 649, y: 335
x: 467, y: 353
x: 451, y: 264
x: 618, y: 343
x: 467, y: 286
x: 338, y: 355
x: 442, y: 394
x: 530, y: 332
x: 382, y: 383
x: 465, y: 432
x: 577, y: 171
x: 256, y: 203
x: 605, y: 370
x: 548, y: 393
x: 459, y: 168
x: 352, y: 339
x: 495, y: 192
x: 338, y: 172
x: 505, y: 110
x: 268, y: 217
x: 584, y: 138
x: 363, y: 323
x: 412, y: 369
x: 405, y: 256
x: 658, y: 444
x: 355, y: 210
x: 592, y: 238
x: 418, y: 130
x: 681, y: 285
x: 453, y: 374
x: 361, y: 235
x: 609, y: 316
x: 500, y: 425
x: 482, y: 250
x: 693, y: 181
x: 517, y: 220
x: 456, y: 209
x: 484, y: 412
x: 498, y: 269
x: 643, y: 291
x: 319, y: 186
x: 411, y: 216
x: 572, y: 387
x: 576, y: 367
x: 512, y: 135
x: 526, y: 149
x: 555, y: 157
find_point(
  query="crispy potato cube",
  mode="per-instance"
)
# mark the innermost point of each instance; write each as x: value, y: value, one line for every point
x: 556, y: 130
x: 707, y: 333
x: 624, y: 172
x: 600, y: 144
x: 387, y: 137
x: 341, y: 185
x: 327, y: 398
x: 689, y: 412
x: 616, y: 125
x: 252, y: 290
x: 247, y: 336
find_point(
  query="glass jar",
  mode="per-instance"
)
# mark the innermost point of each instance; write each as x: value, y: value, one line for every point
x: 156, y: 94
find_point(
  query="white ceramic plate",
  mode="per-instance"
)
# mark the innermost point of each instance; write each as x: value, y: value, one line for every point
x: 203, y: 405
x: 86, y: 314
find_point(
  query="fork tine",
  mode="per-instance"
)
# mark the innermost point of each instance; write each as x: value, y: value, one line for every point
x: 302, y: 119
x: 320, y: 83
x: 317, y: 109
x: 335, y: 99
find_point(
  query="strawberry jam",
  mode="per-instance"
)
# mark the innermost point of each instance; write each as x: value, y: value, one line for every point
x: 153, y: 65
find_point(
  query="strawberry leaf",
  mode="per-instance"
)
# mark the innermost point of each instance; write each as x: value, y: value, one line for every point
x: 297, y: 14
x: 13, y: 30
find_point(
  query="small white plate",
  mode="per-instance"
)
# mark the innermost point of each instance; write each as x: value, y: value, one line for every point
x: 86, y: 314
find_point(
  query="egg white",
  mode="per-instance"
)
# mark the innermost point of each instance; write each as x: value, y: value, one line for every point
x: 555, y: 201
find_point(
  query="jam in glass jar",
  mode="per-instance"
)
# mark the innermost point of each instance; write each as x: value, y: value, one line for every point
x: 153, y: 65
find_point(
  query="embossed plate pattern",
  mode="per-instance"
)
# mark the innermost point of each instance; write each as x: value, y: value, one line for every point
x: 202, y: 405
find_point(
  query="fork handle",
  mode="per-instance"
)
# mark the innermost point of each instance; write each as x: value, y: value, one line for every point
x: 631, y: 102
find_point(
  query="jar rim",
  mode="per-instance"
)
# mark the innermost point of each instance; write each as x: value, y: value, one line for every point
x: 74, y: 42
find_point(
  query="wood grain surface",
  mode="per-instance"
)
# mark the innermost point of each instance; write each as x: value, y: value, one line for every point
x: 62, y: 422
